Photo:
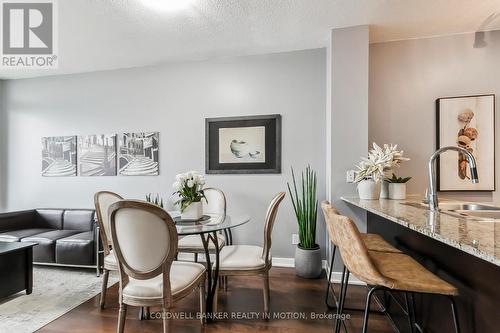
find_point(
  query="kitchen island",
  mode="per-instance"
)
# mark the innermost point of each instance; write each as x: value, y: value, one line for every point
x: 464, y: 251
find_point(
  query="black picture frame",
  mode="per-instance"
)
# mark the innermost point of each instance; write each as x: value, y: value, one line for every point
x: 272, y: 164
x: 438, y: 144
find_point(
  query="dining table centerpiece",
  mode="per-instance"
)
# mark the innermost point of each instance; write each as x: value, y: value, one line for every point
x: 189, y: 187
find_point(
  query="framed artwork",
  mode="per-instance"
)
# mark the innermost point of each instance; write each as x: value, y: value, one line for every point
x: 467, y: 122
x: 59, y: 156
x: 138, y: 154
x: 237, y: 145
x: 97, y: 155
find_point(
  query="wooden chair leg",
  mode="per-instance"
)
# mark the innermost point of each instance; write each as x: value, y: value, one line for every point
x: 202, y: 302
x: 265, y: 280
x: 104, y: 287
x: 122, y: 315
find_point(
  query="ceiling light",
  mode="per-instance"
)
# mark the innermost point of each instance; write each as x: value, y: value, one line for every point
x: 168, y: 5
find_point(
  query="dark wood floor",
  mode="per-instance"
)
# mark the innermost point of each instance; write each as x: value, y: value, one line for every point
x: 288, y: 294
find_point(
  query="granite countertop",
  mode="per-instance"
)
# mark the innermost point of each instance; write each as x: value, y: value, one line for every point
x: 478, y: 237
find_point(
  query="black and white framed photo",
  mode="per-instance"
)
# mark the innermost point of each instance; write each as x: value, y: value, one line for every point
x: 467, y: 122
x: 250, y: 144
x: 59, y: 156
x: 97, y: 155
x: 138, y: 154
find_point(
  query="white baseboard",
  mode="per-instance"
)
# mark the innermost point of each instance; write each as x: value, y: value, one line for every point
x: 284, y: 262
x: 336, y: 276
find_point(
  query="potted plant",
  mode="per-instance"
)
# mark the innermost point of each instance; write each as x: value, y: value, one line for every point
x: 372, y: 169
x: 397, y: 187
x: 156, y: 200
x: 189, y: 187
x: 305, y: 205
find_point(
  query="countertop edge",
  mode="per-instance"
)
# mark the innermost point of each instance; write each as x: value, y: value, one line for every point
x: 463, y: 247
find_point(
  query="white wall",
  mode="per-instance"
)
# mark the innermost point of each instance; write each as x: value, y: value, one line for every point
x: 347, y: 113
x: 406, y: 78
x: 173, y: 99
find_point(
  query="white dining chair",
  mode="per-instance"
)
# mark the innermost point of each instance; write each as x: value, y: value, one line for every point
x: 102, y: 201
x: 145, y: 243
x: 215, y: 204
x: 249, y: 259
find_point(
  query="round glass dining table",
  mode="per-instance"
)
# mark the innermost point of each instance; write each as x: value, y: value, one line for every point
x: 208, y: 228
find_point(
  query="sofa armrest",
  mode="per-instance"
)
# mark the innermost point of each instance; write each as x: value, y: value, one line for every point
x: 18, y: 220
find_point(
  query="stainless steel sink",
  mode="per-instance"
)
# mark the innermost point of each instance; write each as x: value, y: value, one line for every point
x: 472, y: 210
x: 453, y: 206
x: 482, y: 214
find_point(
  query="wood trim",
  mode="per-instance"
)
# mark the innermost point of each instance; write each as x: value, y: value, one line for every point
x: 106, y: 241
x: 272, y: 211
x: 438, y: 160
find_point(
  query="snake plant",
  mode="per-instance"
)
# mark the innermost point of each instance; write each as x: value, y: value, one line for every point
x: 305, y: 205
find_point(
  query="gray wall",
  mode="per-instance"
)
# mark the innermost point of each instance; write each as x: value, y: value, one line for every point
x: 406, y: 78
x: 173, y: 99
x: 3, y: 146
x: 347, y: 114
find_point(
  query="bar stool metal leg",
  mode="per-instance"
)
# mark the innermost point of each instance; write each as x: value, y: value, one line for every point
x: 409, y: 313
x: 329, y: 284
x: 454, y: 313
x: 367, y: 308
x: 343, y: 292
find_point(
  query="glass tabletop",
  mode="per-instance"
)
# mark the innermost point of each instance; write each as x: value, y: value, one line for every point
x: 215, y: 222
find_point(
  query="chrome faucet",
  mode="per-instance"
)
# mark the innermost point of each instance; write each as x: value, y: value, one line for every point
x: 433, y: 198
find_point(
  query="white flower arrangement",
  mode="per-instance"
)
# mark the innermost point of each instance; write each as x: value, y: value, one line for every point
x: 189, y: 187
x: 379, y: 162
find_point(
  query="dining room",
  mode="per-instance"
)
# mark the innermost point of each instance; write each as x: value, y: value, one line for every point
x: 243, y: 166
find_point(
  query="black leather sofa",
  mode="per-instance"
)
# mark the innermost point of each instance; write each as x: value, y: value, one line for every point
x: 67, y: 237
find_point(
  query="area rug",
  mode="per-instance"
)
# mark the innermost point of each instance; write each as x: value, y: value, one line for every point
x: 56, y: 290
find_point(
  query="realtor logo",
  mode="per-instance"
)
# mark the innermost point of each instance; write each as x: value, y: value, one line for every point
x: 28, y: 34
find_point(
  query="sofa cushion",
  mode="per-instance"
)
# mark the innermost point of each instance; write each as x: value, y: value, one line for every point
x: 17, y: 220
x: 17, y: 235
x: 77, y: 249
x: 45, y: 250
x: 49, y: 218
x: 78, y: 219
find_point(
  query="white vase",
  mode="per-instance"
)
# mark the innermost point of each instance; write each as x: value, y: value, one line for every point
x: 368, y: 189
x: 384, y: 190
x: 397, y: 191
x: 193, y: 212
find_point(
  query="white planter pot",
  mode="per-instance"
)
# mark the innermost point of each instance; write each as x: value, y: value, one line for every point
x: 384, y: 190
x: 397, y: 191
x: 368, y: 189
x: 193, y: 212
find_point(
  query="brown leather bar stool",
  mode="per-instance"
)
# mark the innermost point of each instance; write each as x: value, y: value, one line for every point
x: 373, y: 242
x: 395, y: 272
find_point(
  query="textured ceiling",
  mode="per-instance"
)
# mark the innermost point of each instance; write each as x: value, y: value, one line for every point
x: 99, y: 35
